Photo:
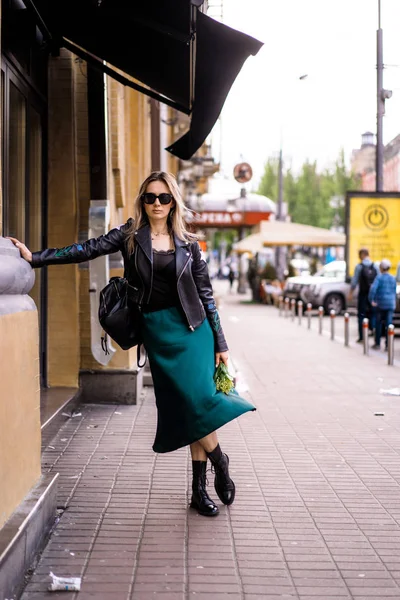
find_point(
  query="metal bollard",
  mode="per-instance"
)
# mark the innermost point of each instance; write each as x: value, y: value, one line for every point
x: 391, y: 345
x: 346, y: 329
x: 286, y: 308
x: 320, y: 317
x: 365, y: 335
x: 300, y: 310
x: 309, y: 309
x: 280, y: 305
x: 293, y: 305
x: 332, y: 315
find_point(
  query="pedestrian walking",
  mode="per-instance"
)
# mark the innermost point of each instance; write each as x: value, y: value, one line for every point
x: 364, y: 275
x: 231, y: 277
x: 180, y: 328
x: 383, y: 295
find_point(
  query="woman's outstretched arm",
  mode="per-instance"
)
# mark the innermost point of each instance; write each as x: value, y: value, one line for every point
x: 75, y: 253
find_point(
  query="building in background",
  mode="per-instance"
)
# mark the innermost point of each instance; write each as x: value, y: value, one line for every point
x: 76, y: 145
x: 363, y: 164
x: 363, y: 159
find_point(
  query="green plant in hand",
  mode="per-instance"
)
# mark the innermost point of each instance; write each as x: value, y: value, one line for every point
x: 223, y: 379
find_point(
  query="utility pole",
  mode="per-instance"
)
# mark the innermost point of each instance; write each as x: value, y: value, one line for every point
x: 380, y: 105
x: 279, y: 214
x: 381, y: 96
x: 280, y: 186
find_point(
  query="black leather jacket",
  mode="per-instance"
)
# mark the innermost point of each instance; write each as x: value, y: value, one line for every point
x: 193, y: 282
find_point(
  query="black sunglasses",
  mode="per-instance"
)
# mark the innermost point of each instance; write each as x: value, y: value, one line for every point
x: 150, y: 198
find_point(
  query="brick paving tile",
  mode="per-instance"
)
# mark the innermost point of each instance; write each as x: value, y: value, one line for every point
x: 317, y: 511
x: 215, y: 596
x: 269, y: 589
x: 101, y: 596
x: 329, y: 596
x: 265, y: 596
x: 355, y: 582
x: 339, y: 591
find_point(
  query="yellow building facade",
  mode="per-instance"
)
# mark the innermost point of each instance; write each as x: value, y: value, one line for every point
x: 46, y: 337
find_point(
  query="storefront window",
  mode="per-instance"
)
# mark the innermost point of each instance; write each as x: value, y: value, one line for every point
x: 24, y: 114
x: 23, y: 167
x: 35, y: 196
x: 17, y: 164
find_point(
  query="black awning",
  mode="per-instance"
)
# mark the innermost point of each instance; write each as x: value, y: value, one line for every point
x: 183, y: 57
x: 220, y: 54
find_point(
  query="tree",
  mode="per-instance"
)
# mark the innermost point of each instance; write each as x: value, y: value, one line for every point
x: 344, y: 180
x: 269, y: 181
x: 309, y: 193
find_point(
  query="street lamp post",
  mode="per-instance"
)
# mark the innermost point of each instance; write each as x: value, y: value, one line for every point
x: 242, y: 279
x: 280, y: 186
x: 279, y: 253
x: 243, y: 174
x: 381, y: 96
x: 380, y: 104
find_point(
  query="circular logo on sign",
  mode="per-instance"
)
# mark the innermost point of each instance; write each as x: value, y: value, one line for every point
x: 376, y: 217
x: 243, y: 172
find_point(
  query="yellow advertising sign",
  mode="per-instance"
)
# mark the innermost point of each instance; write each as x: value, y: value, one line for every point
x: 373, y: 222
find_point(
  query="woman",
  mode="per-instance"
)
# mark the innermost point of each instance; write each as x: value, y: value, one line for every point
x: 180, y: 328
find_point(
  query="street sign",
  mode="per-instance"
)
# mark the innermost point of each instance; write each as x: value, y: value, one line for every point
x: 243, y: 172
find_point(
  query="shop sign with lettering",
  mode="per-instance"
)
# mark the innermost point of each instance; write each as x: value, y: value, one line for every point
x: 226, y: 219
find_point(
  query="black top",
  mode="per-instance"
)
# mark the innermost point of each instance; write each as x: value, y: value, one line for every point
x: 164, y: 293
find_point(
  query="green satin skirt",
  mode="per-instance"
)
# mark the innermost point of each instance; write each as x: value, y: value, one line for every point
x: 182, y: 364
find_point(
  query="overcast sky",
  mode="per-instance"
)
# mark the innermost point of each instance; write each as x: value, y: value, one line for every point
x: 334, y: 42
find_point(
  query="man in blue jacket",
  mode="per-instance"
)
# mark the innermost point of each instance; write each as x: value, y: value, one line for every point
x: 383, y: 295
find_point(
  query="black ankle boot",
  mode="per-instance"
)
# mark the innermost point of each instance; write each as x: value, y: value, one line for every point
x: 223, y: 484
x: 201, y: 501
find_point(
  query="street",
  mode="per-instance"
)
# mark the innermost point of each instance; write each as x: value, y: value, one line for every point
x: 317, y: 510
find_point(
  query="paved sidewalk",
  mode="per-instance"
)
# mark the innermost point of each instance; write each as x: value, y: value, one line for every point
x: 317, y: 512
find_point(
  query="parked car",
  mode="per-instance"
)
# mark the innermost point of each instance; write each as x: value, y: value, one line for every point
x: 326, y: 288
x: 330, y: 289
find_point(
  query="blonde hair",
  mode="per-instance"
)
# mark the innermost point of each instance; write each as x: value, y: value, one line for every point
x: 176, y: 219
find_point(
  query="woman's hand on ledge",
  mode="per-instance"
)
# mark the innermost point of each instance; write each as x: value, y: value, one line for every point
x: 25, y: 252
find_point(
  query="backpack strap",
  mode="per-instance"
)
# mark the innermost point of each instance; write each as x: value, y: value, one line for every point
x: 105, y: 348
x: 139, y: 355
x: 104, y: 344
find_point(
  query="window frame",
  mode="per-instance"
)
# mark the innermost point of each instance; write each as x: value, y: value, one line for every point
x: 35, y: 101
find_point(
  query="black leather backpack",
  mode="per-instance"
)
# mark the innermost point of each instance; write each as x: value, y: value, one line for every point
x: 119, y: 315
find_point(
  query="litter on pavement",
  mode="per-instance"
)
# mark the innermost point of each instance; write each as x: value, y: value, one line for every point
x: 72, y: 414
x: 66, y: 584
x: 390, y: 392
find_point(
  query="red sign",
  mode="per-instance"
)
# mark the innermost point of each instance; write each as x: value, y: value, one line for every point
x: 203, y: 245
x: 243, y: 172
x: 226, y: 219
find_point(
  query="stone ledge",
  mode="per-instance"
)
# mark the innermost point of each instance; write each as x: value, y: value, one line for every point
x: 52, y: 424
x: 111, y: 387
x: 16, y: 274
x: 25, y: 534
x: 147, y: 376
x: 14, y: 303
